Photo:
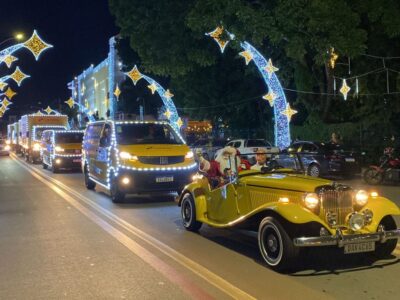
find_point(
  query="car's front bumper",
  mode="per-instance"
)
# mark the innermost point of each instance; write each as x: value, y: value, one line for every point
x: 340, y: 240
x: 67, y: 162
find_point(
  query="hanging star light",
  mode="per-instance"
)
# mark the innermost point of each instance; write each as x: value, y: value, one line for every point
x: 288, y: 112
x: 117, y: 92
x: 247, y: 56
x: 3, y: 85
x: 9, y: 59
x: 18, y: 76
x: 36, y: 45
x: 168, y: 94
x: 106, y: 101
x: 153, y: 88
x: 70, y: 102
x: 221, y: 36
x: 86, y: 103
x: 270, y: 68
x: 134, y: 75
x: 345, y: 89
x: 179, y: 122
x: 5, y: 102
x: 270, y: 97
x: 38, y: 113
x: 333, y: 57
x: 168, y: 114
x: 9, y: 93
x: 48, y: 110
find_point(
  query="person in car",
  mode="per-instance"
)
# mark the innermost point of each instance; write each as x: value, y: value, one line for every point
x: 261, y: 159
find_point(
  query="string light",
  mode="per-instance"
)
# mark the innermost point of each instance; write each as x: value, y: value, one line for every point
x: 345, y: 89
x: 333, y: 57
x: 218, y: 34
x: 71, y: 103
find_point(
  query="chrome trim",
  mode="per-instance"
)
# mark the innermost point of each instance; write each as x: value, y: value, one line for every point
x: 340, y: 240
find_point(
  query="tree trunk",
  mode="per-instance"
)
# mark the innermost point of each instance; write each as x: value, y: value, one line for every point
x: 326, y: 116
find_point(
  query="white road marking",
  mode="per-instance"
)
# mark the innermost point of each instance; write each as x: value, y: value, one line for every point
x: 196, y: 268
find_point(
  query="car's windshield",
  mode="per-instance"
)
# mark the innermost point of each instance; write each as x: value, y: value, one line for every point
x: 69, y: 137
x: 130, y: 134
x: 39, y: 131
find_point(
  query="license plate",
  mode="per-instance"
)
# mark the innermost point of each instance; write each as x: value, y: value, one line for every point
x: 76, y: 160
x: 350, y: 159
x: 358, y: 248
x: 164, y: 179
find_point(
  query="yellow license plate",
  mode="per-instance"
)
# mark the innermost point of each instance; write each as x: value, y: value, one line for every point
x: 359, y: 248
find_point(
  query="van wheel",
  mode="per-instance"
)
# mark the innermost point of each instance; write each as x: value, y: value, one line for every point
x: 188, y: 213
x: 90, y: 184
x: 383, y: 250
x: 275, y: 245
x: 116, y: 195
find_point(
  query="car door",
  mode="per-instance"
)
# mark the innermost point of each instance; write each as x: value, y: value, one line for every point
x: 103, y: 150
x: 309, y: 154
x: 222, y: 203
x: 90, y: 148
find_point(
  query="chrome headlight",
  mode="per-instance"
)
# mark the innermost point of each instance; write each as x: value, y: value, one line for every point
x: 59, y: 149
x: 36, y: 147
x: 189, y: 155
x: 361, y: 198
x: 126, y: 155
x: 356, y: 221
x: 311, y: 200
x: 7, y: 148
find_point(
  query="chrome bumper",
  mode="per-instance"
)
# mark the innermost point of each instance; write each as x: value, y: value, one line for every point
x: 340, y: 240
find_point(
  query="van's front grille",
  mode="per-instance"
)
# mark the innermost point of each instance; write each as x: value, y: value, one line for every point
x: 161, y: 160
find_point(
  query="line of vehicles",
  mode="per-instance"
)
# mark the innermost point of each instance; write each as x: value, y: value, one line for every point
x: 289, y: 209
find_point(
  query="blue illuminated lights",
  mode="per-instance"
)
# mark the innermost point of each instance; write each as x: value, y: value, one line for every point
x: 275, y: 97
x: 71, y: 102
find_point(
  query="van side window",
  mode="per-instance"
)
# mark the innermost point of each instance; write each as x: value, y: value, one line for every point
x: 93, y: 133
x: 105, y: 140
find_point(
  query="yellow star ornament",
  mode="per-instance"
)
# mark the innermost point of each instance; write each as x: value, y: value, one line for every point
x: 288, y: 112
x: 134, y: 75
x: 36, y: 45
x: 6, y: 103
x: 217, y: 35
x: 270, y: 97
x: 168, y: 94
x: 345, y: 89
x: 48, y: 110
x: 270, y: 68
x: 247, y: 56
x: 168, y: 114
x: 179, y: 122
x: 3, y: 85
x: 9, y: 59
x: 9, y: 93
x: 153, y: 88
x: 18, y: 76
x: 117, y: 91
x: 333, y: 58
x: 70, y: 102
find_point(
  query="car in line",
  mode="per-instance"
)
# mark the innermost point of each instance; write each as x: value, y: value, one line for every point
x: 5, y: 147
x: 290, y: 211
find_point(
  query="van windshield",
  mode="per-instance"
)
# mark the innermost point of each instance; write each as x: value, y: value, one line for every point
x: 69, y: 138
x: 130, y: 134
x: 39, y: 131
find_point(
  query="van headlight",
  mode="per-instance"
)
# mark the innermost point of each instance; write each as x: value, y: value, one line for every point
x: 361, y: 197
x: 126, y: 155
x: 36, y: 147
x: 189, y: 155
x: 7, y: 148
x: 311, y: 200
x: 8, y: 142
x: 59, y: 149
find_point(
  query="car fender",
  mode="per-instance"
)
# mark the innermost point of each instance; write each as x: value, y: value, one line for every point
x: 380, y: 207
x: 198, y: 190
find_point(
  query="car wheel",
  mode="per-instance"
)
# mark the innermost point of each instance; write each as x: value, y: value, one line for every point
x: 188, y: 213
x: 90, y: 184
x: 384, y: 250
x: 44, y: 166
x: 373, y: 176
x: 116, y: 195
x: 314, y: 170
x: 275, y: 245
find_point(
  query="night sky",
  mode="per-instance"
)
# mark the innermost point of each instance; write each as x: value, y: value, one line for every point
x: 79, y: 31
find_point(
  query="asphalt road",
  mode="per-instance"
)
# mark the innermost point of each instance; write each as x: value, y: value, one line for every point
x: 58, y: 240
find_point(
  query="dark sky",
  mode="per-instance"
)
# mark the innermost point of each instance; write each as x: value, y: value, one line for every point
x: 79, y: 31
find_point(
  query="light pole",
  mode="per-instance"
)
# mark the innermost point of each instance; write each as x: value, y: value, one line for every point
x: 18, y: 37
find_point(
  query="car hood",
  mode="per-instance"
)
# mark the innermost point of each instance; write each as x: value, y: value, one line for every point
x: 285, y: 181
x: 155, y: 149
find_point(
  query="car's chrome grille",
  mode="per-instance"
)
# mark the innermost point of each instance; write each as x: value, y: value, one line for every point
x: 161, y: 160
x: 338, y: 203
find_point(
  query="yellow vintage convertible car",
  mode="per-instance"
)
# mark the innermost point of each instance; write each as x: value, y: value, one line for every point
x: 290, y: 210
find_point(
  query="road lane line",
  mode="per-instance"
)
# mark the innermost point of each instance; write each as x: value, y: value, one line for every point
x: 186, y: 262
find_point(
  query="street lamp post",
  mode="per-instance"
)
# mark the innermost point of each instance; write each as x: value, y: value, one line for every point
x: 17, y: 37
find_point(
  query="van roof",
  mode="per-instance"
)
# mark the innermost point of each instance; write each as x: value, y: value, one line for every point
x: 129, y: 122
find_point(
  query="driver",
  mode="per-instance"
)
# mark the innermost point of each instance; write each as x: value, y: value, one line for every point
x: 261, y: 159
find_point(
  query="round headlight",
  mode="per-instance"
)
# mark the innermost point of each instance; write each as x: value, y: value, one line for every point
x: 356, y: 221
x: 311, y: 200
x: 36, y: 147
x: 361, y: 198
x: 59, y: 149
x: 189, y: 155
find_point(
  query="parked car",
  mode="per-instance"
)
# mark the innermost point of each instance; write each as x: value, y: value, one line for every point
x: 207, y: 147
x: 5, y: 147
x: 290, y: 211
x: 248, y: 146
x: 321, y: 159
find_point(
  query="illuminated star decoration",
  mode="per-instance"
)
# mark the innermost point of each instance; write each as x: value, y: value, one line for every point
x: 168, y: 94
x: 18, y: 76
x: 86, y: 103
x: 36, y: 45
x: 83, y: 89
x: 9, y: 59
x: 247, y: 56
x: 167, y: 114
x: 345, y: 89
x: 70, y: 102
x: 48, y: 110
x: 270, y: 97
x: 106, y: 101
x: 333, y: 58
x: 9, y: 93
x: 289, y: 112
x: 270, y: 68
x: 134, y: 75
x: 117, y: 92
x: 221, y: 36
x: 152, y: 87
x: 5, y: 102
x: 3, y: 85
x: 179, y: 123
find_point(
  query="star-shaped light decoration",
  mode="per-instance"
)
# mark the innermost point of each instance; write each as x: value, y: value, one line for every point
x: 270, y: 68
x: 5, y: 102
x: 247, y: 56
x: 48, y: 110
x: 134, y: 75
x: 18, y: 76
x: 70, y: 102
x: 3, y: 109
x: 9, y: 93
x: 179, y: 122
x: 36, y: 45
x: 345, y: 89
x: 270, y: 97
x: 3, y: 85
x: 288, y: 112
x: 333, y: 58
x: 168, y: 114
x: 153, y: 88
x: 9, y: 59
x: 168, y: 94
x: 117, y: 92
x: 221, y: 36
x: 106, y: 101
x: 83, y: 89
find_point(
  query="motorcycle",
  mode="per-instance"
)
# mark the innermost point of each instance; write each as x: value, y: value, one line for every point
x: 387, y: 171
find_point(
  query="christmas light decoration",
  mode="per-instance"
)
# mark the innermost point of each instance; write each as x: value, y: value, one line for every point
x: 288, y: 112
x: 247, y: 56
x: 152, y: 88
x: 117, y: 92
x: 71, y: 103
x: 48, y: 110
x: 179, y: 123
x: 134, y: 75
x: 18, y: 76
x: 345, y: 89
x: 221, y: 36
x: 3, y: 85
x: 36, y: 45
x: 167, y: 113
x: 333, y: 58
x: 168, y: 94
x: 5, y: 102
x: 9, y: 93
x: 270, y: 97
x: 270, y: 68
x: 9, y: 59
